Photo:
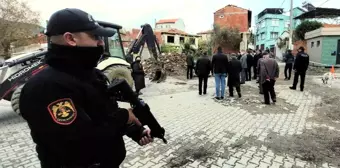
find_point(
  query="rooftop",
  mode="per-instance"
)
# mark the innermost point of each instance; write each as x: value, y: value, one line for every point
x: 332, y: 31
x: 205, y: 32
x: 230, y: 5
x: 270, y: 11
x: 162, y: 21
x: 320, y: 13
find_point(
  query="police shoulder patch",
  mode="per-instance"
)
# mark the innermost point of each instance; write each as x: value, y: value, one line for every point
x: 62, y: 111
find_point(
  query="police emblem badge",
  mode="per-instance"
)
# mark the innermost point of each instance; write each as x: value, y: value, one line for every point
x: 63, y: 111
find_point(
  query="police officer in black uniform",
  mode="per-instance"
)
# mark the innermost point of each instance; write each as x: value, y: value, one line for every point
x: 300, y: 67
x: 73, y: 121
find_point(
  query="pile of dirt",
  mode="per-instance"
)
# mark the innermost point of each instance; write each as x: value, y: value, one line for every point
x: 326, y: 111
x: 174, y: 64
x: 318, y: 145
x: 314, y: 70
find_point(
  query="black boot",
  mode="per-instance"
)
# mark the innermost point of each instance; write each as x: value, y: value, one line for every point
x: 292, y: 88
x: 239, y: 95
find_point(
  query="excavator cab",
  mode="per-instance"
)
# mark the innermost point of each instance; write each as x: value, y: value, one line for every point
x: 113, y: 45
x: 113, y: 62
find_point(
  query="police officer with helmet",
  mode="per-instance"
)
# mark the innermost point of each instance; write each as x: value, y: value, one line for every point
x: 73, y: 121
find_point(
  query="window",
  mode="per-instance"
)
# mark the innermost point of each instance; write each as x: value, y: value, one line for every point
x: 192, y: 40
x: 275, y: 22
x: 263, y: 23
x: 287, y: 24
x: 274, y: 35
x: 115, y: 47
x: 318, y: 43
x: 181, y: 40
x: 312, y: 44
x: 262, y: 36
x: 170, y: 39
x: 167, y: 26
x: 258, y: 37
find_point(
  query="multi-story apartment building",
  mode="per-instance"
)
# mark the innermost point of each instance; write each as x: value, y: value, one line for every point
x: 270, y: 24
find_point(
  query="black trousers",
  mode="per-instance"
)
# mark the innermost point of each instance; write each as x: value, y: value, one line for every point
x: 302, y: 75
x: 204, y: 80
x: 255, y: 72
x: 189, y: 71
x: 288, y: 68
x: 268, y: 90
x: 231, y: 90
x: 248, y: 74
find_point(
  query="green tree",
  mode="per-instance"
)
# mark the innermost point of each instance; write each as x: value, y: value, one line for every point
x: 188, y: 49
x: 304, y: 27
x: 204, y: 46
x: 166, y: 48
x: 226, y: 37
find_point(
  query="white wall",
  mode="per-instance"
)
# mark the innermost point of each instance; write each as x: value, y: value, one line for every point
x: 177, y: 41
x: 179, y: 24
x: 205, y: 37
x: 315, y: 51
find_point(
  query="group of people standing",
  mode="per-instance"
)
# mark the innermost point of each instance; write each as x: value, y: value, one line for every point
x: 239, y: 70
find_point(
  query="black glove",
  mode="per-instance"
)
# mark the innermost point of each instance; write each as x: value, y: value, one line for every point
x: 135, y: 132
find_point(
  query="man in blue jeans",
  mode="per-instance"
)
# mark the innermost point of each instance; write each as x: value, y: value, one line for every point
x: 220, y: 68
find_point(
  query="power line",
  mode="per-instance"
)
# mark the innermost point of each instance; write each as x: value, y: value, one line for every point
x: 323, y: 3
x: 282, y: 3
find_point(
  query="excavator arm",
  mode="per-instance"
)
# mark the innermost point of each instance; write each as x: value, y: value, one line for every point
x: 147, y: 36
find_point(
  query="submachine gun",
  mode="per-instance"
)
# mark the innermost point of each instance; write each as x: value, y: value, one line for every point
x: 120, y: 89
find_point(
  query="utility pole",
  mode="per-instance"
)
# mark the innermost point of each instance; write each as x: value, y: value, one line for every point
x: 291, y: 26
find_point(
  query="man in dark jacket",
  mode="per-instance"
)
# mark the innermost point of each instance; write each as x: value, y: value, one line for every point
x: 203, y: 68
x: 220, y: 67
x: 234, y: 71
x: 249, y: 65
x: 256, y: 58
x: 300, y: 67
x: 73, y: 120
x: 289, y: 59
x: 190, y: 65
x: 138, y: 75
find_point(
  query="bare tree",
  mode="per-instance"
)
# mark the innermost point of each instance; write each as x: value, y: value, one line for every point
x: 18, y: 22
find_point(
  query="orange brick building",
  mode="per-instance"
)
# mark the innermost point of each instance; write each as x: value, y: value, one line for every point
x: 232, y: 16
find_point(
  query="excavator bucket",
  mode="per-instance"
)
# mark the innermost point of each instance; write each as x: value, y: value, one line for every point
x: 159, y: 76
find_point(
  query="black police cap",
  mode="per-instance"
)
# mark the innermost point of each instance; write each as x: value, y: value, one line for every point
x: 75, y: 20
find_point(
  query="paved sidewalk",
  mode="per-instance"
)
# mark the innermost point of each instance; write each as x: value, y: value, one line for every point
x: 201, y: 132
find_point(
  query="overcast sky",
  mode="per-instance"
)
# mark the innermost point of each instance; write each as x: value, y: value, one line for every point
x: 197, y: 14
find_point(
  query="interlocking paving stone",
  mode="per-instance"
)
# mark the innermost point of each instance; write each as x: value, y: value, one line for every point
x: 198, y: 128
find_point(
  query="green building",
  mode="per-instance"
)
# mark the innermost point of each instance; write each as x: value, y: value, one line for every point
x: 270, y: 24
x: 323, y: 45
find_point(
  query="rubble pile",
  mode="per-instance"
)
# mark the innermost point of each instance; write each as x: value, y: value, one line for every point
x: 174, y: 64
